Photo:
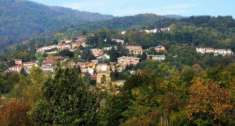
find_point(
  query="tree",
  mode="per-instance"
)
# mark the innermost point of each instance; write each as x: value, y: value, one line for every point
x: 208, y: 102
x: 14, y: 113
x: 66, y: 100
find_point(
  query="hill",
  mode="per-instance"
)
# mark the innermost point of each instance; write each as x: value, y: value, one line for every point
x: 21, y: 19
x: 128, y: 22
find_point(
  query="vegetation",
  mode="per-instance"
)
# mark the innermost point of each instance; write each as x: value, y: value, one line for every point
x: 158, y: 94
x: 188, y: 89
x: 22, y: 19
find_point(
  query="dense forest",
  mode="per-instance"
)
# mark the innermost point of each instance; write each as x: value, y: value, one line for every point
x: 23, y: 19
x: 187, y: 89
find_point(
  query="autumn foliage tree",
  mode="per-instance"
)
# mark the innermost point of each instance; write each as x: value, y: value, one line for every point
x: 14, y: 113
x: 208, y: 101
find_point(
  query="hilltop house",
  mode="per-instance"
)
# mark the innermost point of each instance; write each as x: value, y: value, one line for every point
x: 134, y: 50
x: 152, y: 31
x: 126, y: 61
x: 118, y: 41
x: 160, y: 49
x: 156, y: 57
x: 123, y: 32
x: 52, y: 49
x: 20, y: 65
x: 29, y: 65
x: 79, y: 41
x: 50, y: 62
x: 87, y: 67
x: 215, y: 52
x: 156, y: 30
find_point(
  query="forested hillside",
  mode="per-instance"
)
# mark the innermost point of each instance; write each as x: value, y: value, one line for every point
x: 142, y: 70
x: 22, y: 19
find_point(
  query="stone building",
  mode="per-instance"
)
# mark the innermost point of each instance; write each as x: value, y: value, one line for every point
x: 134, y: 50
x: 103, y: 76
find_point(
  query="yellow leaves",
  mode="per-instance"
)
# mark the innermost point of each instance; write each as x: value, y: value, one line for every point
x: 14, y: 113
x: 208, y: 97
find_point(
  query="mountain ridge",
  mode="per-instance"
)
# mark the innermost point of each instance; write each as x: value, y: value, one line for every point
x: 21, y: 19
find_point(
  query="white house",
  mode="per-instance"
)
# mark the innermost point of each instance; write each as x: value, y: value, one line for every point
x: 215, y: 52
x: 119, y: 41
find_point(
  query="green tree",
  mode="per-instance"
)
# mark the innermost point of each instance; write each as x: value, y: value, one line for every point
x: 66, y: 100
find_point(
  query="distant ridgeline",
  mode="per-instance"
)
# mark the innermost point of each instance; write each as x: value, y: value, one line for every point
x: 22, y: 19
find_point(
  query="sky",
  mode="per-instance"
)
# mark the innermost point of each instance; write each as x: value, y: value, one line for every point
x: 161, y: 7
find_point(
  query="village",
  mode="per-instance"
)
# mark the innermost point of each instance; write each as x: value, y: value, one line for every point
x: 101, y: 67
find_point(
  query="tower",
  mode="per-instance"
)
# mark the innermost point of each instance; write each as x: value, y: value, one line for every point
x: 103, y: 79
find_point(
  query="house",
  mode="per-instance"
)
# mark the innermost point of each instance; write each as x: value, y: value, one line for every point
x: 123, y: 32
x: 160, y: 49
x: 20, y: 65
x: 50, y: 62
x: 16, y: 68
x: 167, y: 29
x: 18, y: 62
x: 29, y: 65
x: 48, y: 49
x: 64, y: 46
x: 152, y: 31
x: 223, y: 52
x: 156, y: 57
x: 126, y: 61
x: 87, y: 67
x: 134, y: 50
x: 215, y: 52
x: 118, y: 41
x: 97, y: 52
x: 80, y: 41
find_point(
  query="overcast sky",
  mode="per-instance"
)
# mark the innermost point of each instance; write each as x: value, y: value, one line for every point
x: 130, y: 7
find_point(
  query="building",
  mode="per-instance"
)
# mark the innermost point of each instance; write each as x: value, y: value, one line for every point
x: 15, y: 68
x: 103, y: 76
x: 64, y: 46
x: 134, y: 50
x: 156, y: 57
x: 79, y: 41
x: 18, y: 62
x: 50, y: 62
x: 167, y: 29
x: 118, y: 41
x: 123, y: 32
x: 152, y: 31
x: 46, y: 49
x: 215, y: 52
x: 97, y: 52
x: 29, y: 65
x: 18, y: 67
x: 160, y: 49
x: 127, y: 61
x: 87, y: 68
x: 156, y: 30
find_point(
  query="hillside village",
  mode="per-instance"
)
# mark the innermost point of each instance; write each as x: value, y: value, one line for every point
x: 101, y: 68
x: 135, y: 67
